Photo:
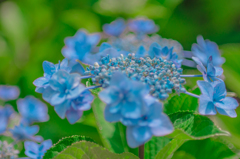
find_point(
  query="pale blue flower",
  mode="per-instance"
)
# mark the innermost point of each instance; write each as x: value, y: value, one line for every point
x: 23, y: 132
x: 49, y: 69
x: 63, y: 86
x: 153, y: 123
x: 115, y: 28
x: 37, y: 151
x: 206, y: 48
x: 143, y: 26
x: 9, y: 92
x: 212, y: 72
x: 5, y: 113
x: 32, y: 110
x: 214, y: 99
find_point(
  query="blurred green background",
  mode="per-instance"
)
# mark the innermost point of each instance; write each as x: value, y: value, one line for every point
x: 32, y: 31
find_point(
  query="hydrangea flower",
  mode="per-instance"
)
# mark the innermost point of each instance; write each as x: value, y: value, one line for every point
x: 124, y: 98
x: 206, y: 48
x: 73, y: 109
x: 142, y: 26
x: 9, y: 92
x: 63, y: 86
x: 22, y: 132
x: 5, y: 113
x: 154, y: 122
x: 7, y: 151
x: 115, y: 28
x: 37, y: 151
x: 78, y: 46
x: 213, y: 99
x: 165, y: 53
x: 212, y: 72
x: 32, y: 110
x: 49, y: 69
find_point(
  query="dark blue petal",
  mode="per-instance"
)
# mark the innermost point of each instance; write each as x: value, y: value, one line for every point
x: 206, y: 106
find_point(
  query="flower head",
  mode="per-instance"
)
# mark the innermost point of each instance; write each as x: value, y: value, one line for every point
x: 212, y: 72
x: 214, y: 99
x: 115, y: 28
x: 9, y: 92
x: 143, y: 26
x: 206, y: 48
x: 154, y: 122
x: 49, y: 69
x: 36, y: 151
x: 63, y: 86
x: 5, y: 113
x: 32, y: 110
x: 22, y: 132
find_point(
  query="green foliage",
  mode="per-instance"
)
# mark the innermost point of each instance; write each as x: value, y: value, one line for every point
x: 63, y: 144
x: 94, y: 91
x: 86, y: 150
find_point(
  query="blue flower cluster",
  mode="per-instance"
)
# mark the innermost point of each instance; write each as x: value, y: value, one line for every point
x: 31, y: 110
x: 129, y: 102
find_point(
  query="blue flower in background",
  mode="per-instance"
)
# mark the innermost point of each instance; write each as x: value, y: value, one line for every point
x: 115, y: 28
x: 73, y: 109
x: 211, y: 73
x: 141, y: 52
x: 154, y: 122
x: 32, y: 110
x: 23, y: 132
x: 9, y: 92
x: 206, y: 48
x: 214, y: 99
x: 165, y: 53
x: 124, y: 98
x: 5, y: 113
x: 143, y: 26
x: 37, y: 151
x: 63, y: 86
x: 78, y: 46
x: 49, y: 69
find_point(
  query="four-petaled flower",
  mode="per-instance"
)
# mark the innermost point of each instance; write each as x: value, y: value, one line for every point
x: 9, y: 92
x: 32, y: 110
x: 5, y: 113
x: 143, y: 26
x: 214, y: 99
x: 37, y: 151
x: 115, y: 28
x: 206, y: 48
x: 212, y: 72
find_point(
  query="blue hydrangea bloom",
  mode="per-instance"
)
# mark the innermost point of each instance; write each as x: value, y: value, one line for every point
x: 115, y: 28
x: 212, y: 72
x: 154, y: 122
x: 23, y: 132
x: 9, y: 92
x: 214, y: 99
x: 37, y: 151
x: 32, y: 110
x: 63, y: 86
x: 206, y: 48
x: 141, y: 52
x: 165, y: 53
x: 49, y: 69
x: 5, y: 113
x: 143, y: 26
x: 78, y: 46
x: 124, y: 98
x: 73, y: 109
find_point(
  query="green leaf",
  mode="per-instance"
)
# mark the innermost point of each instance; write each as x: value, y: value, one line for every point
x: 188, y: 126
x: 183, y: 102
x: 112, y: 134
x: 63, y: 144
x: 87, y: 150
x: 94, y: 91
x: 209, y: 148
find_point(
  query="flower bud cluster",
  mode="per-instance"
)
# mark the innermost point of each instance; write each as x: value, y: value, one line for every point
x: 161, y: 75
x: 7, y: 150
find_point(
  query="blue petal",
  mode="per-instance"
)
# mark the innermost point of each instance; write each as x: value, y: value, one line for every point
x: 31, y: 149
x: 48, y: 67
x: 227, y: 103
x: 132, y: 109
x: 141, y: 133
x: 200, y: 66
x: 210, y: 68
x: 104, y: 46
x: 140, y: 52
x: 132, y: 141
x: 219, y: 90
x: 9, y: 92
x: 73, y: 115
x: 206, y: 88
x: 58, y: 98
x: 76, y: 67
x: 219, y: 71
x: 61, y: 109
x: 73, y: 80
x: 40, y: 81
x: 227, y: 112
x: 47, y: 144
x: 56, y: 86
x: 74, y: 93
x: 48, y: 93
x: 111, y: 117
x: 206, y: 106
x: 164, y: 128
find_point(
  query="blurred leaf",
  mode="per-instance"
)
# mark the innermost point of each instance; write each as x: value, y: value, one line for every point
x: 63, y: 144
x: 84, y: 150
x: 94, y: 91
